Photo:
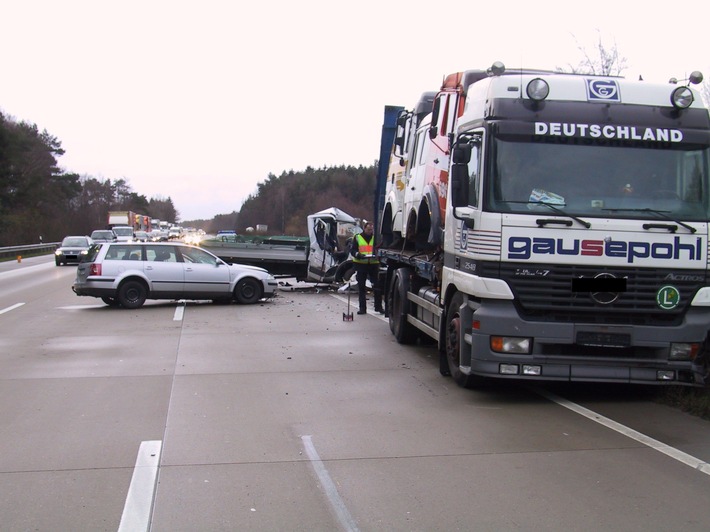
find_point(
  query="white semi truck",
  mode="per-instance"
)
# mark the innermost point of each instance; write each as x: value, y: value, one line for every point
x: 549, y: 226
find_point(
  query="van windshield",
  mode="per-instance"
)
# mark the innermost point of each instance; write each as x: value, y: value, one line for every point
x: 600, y: 178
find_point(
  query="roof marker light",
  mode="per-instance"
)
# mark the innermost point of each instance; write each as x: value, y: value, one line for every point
x: 538, y: 89
x: 496, y: 69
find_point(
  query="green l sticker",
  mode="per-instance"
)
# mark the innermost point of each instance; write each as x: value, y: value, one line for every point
x: 668, y: 297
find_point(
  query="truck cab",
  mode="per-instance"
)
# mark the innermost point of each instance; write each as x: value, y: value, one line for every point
x: 575, y: 231
x: 330, y: 233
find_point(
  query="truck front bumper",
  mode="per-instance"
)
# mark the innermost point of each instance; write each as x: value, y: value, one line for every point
x: 583, y: 351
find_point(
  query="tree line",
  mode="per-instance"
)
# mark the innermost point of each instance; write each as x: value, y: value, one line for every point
x: 39, y: 201
x: 282, y: 203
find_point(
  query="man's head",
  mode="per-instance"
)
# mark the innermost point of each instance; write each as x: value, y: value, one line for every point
x: 367, y: 229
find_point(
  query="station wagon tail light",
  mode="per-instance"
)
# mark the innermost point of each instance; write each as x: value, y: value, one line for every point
x: 95, y: 269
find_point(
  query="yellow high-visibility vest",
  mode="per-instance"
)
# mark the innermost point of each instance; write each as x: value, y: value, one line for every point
x: 366, y: 248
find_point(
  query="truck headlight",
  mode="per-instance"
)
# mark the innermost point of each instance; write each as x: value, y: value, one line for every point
x: 511, y: 344
x: 684, y: 351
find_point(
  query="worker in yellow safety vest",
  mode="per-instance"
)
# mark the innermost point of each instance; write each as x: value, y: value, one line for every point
x: 367, y: 266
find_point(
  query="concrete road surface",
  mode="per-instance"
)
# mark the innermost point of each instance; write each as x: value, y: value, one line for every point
x: 184, y: 416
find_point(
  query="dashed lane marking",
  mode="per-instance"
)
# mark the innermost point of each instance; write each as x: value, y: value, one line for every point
x: 138, y: 510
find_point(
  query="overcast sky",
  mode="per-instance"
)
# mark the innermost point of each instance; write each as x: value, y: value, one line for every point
x: 200, y: 101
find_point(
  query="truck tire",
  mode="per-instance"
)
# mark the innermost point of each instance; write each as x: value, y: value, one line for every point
x: 248, y: 291
x: 453, y: 337
x: 132, y: 294
x: 398, y: 307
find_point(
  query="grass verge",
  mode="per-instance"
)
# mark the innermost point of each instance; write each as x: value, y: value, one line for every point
x: 695, y: 401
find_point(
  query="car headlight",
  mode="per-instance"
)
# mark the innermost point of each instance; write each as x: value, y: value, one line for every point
x: 59, y: 252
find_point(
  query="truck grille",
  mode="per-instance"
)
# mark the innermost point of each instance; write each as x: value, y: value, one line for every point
x: 544, y: 292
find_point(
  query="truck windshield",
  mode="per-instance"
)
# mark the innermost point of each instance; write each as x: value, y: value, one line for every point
x: 599, y: 178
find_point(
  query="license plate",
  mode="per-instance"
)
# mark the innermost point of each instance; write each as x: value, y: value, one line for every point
x: 599, y: 339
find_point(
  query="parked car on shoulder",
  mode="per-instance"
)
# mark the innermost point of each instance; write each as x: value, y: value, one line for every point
x: 103, y: 235
x: 126, y: 274
x: 72, y: 250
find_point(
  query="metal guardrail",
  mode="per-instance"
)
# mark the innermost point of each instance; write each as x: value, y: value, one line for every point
x: 30, y: 250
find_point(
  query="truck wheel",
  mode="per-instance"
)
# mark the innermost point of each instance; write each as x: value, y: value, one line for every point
x: 398, y: 306
x: 248, y: 291
x: 453, y: 339
x: 132, y: 294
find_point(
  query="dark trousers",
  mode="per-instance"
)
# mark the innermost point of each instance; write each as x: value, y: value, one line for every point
x: 363, y: 272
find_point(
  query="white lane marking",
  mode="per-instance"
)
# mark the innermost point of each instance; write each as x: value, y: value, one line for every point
x: 26, y: 270
x: 179, y: 311
x: 674, y: 453
x: 13, y: 307
x: 328, y: 486
x: 139, y: 502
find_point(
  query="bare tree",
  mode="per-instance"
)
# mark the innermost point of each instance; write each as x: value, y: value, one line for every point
x: 601, y: 60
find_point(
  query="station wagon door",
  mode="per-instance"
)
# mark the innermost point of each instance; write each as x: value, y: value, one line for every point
x: 206, y: 277
x: 166, y: 272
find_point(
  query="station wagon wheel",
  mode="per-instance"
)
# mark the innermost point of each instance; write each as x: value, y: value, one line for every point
x: 248, y: 291
x: 132, y: 294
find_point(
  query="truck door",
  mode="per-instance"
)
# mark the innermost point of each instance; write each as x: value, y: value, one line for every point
x: 417, y: 176
x: 469, y: 216
x: 320, y: 258
x: 398, y: 168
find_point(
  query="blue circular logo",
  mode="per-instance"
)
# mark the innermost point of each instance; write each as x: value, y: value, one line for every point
x: 603, y: 89
x: 464, y: 236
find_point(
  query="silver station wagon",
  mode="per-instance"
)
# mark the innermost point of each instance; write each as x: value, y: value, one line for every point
x: 127, y: 274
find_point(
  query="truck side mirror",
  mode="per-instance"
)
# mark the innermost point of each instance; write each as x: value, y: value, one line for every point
x: 400, y: 133
x: 462, y: 153
x: 459, y: 184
